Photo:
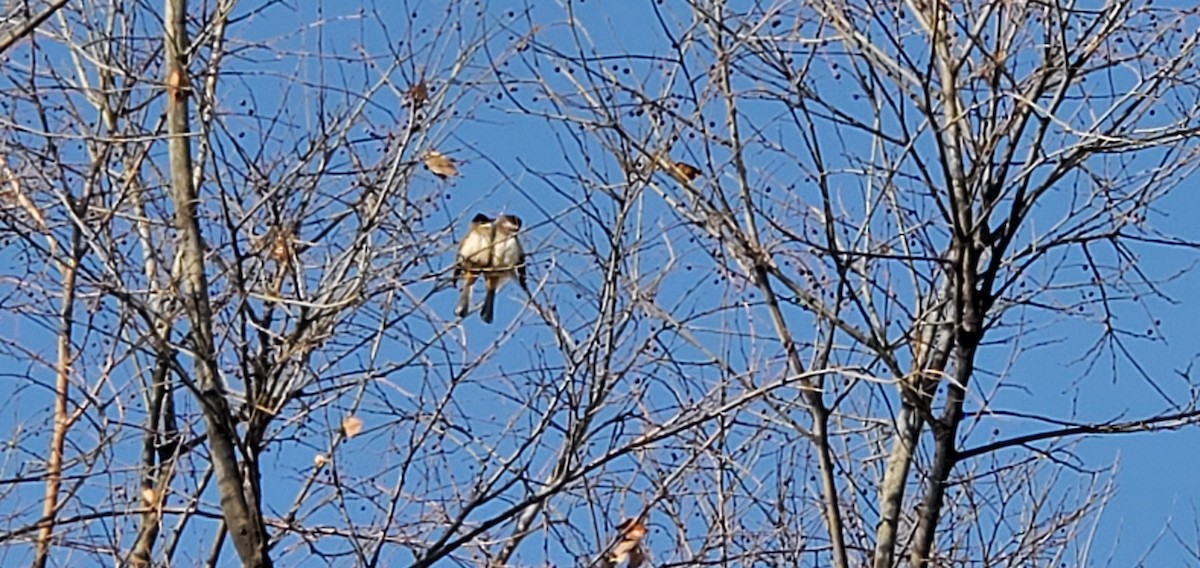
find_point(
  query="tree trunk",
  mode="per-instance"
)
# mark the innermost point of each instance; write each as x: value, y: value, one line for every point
x: 242, y: 516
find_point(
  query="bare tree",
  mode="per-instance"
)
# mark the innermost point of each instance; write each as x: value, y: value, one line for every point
x: 787, y: 263
x: 897, y: 178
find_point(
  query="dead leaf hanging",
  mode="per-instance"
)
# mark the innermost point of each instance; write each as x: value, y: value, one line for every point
x: 628, y: 547
x: 351, y: 426
x: 440, y: 165
x: 281, y: 246
x: 418, y: 94
x: 684, y: 172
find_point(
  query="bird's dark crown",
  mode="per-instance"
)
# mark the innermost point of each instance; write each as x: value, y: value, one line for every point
x: 512, y: 220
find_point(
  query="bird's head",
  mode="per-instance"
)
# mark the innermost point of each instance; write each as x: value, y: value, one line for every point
x: 508, y: 223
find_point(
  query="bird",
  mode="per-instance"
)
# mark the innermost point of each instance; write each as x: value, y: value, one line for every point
x: 508, y: 261
x: 474, y: 257
x: 490, y: 249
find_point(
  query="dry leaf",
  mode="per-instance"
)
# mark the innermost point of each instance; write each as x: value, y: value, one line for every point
x: 632, y: 529
x: 351, y: 426
x: 440, y: 165
x: 683, y: 172
x: 629, y: 547
x: 320, y: 460
x: 418, y: 94
x: 281, y: 247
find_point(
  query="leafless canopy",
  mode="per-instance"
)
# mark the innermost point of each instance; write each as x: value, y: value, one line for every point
x: 825, y: 283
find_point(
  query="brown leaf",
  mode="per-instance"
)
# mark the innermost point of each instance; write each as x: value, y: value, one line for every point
x: 281, y: 246
x: 628, y: 548
x: 632, y: 529
x: 418, y: 94
x: 351, y: 426
x: 440, y: 165
x: 683, y: 171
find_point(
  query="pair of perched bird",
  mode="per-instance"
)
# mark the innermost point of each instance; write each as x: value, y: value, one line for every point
x: 491, y: 250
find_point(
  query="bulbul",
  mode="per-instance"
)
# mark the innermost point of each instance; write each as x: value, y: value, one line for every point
x: 474, y: 257
x: 490, y: 249
x: 508, y: 261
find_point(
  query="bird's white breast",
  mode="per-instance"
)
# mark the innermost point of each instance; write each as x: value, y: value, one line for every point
x: 476, y: 248
x: 508, y: 253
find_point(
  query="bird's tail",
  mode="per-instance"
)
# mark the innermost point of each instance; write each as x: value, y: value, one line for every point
x: 489, y: 305
x: 464, y: 298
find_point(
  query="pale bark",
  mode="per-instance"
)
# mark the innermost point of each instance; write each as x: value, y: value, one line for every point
x: 68, y: 269
x: 240, y: 509
x: 27, y: 27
